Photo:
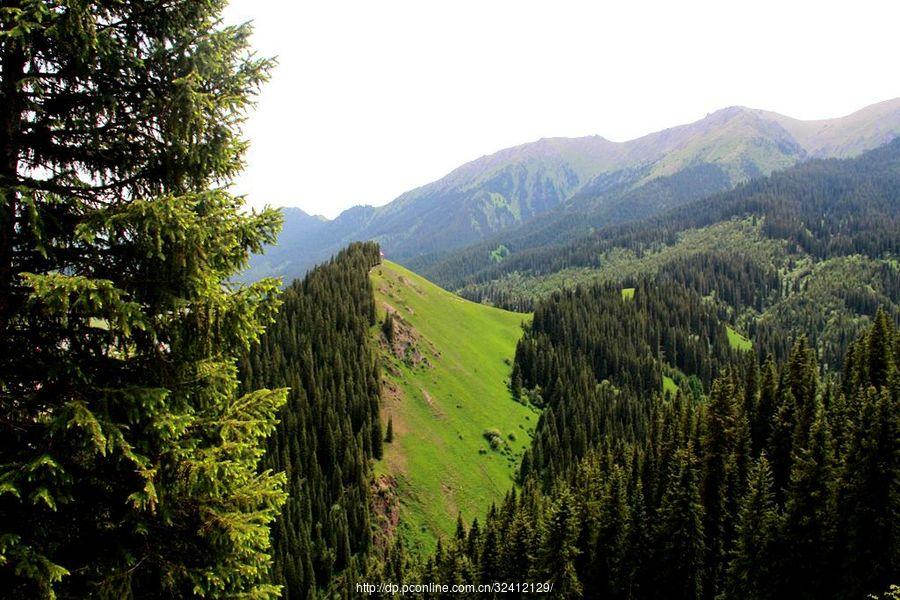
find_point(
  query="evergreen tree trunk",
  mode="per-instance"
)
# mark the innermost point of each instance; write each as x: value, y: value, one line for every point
x: 11, y: 72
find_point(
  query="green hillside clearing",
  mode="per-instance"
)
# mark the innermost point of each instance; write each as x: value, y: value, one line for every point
x: 669, y: 385
x: 458, y: 433
x: 738, y: 341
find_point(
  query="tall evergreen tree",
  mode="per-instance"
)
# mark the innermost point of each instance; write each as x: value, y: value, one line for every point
x: 801, y: 378
x: 557, y: 563
x: 762, y: 417
x: 679, y: 538
x: 868, y: 502
x: 608, y: 569
x: 752, y: 565
x: 780, y: 444
x: 718, y: 452
x: 808, y: 519
x: 128, y: 461
x: 881, y: 367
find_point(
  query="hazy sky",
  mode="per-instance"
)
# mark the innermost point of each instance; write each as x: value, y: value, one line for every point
x: 371, y: 99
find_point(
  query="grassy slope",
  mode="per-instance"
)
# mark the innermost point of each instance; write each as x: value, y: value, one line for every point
x: 738, y: 341
x: 669, y: 385
x: 440, y: 410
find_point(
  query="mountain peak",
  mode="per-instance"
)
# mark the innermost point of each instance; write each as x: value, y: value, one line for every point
x: 842, y: 137
x: 731, y: 111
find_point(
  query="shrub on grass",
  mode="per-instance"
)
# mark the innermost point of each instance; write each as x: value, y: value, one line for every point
x: 494, y: 438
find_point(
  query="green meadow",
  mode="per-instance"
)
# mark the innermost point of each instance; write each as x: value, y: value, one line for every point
x: 458, y: 434
x: 738, y: 341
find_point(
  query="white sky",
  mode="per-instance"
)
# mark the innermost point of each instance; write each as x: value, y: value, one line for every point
x: 371, y: 99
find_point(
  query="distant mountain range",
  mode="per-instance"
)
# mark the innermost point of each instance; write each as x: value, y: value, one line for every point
x: 554, y: 189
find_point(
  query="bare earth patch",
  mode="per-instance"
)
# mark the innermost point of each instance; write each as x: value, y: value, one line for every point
x: 406, y: 282
x: 449, y: 497
x: 405, y: 340
x: 438, y: 413
x: 386, y: 507
x: 391, y: 398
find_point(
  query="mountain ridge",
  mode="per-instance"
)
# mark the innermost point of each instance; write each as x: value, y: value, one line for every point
x: 501, y: 191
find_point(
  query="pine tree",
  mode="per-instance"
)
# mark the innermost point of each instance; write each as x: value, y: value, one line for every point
x: 881, y: 367
x: 679, y: 537
x: 608, y: 570
x: 868, y: 498
x: 808, y: 518
x: 762, y: 417
x: 638, y: 549
x: 751, y: 567
x: 129, y: 460
x: 751, y: 386
x: 780, y: 444
x: 801, y: 378
x: 460, y: 530
x: 518, y: 548
x: 557, y: 562
x: 489, y: 564
x: 387, y: 327
x: 389, y: 436
x: 718, y: 452
x: 473, y: 542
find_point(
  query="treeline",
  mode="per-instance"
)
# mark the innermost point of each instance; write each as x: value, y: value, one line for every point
x: 739, y: 281
x: 329, y: 429
x: 783, y: 484
x: 831, y: 302
x: 497, y: 293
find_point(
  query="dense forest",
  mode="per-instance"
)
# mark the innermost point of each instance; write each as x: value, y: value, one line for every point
x: 329, y: 430
x: 590, y: 354
x: 781, y: 484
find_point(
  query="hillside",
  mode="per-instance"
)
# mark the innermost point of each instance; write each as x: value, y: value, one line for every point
x: 847, y: 136
x: 445, y: 385
x: 555, y: 189
x: 728, y: 147
x: 810, y: 250
x: 329, y: 430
